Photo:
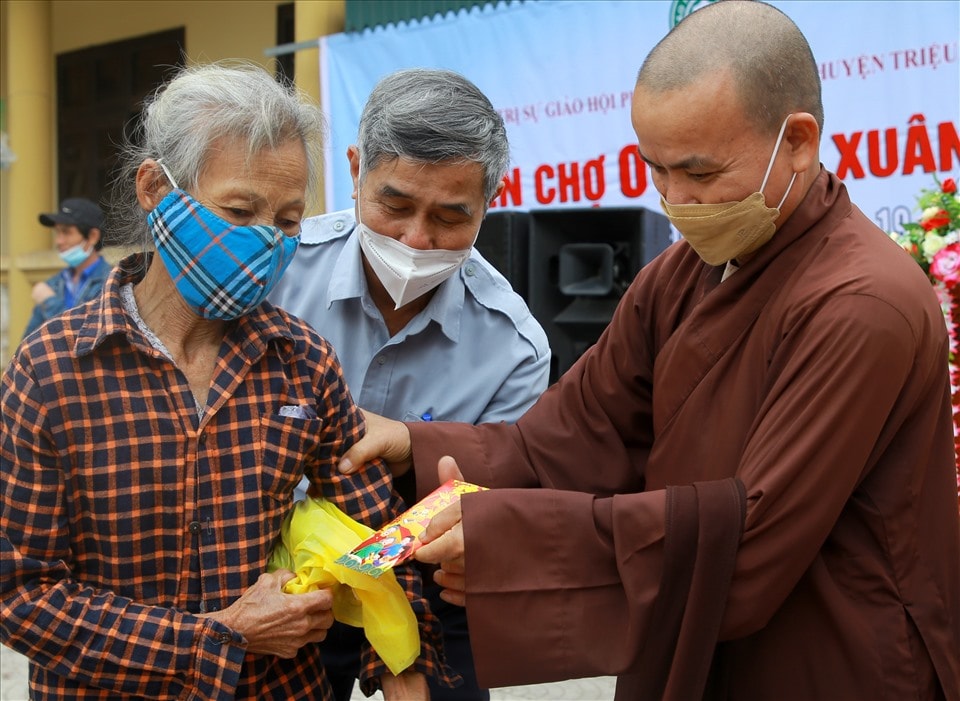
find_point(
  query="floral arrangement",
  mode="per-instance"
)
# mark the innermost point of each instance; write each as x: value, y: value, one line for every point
x: 934, y: 242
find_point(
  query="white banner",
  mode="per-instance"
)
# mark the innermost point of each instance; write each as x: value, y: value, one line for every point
x: 561, y: 72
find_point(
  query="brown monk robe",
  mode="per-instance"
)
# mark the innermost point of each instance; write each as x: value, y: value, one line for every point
x: 816, y: 377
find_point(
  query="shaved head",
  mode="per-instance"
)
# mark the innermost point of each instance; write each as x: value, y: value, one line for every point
x: 767, y: 56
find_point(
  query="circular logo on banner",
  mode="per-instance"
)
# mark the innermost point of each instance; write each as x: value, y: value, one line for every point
x: 681, y: 8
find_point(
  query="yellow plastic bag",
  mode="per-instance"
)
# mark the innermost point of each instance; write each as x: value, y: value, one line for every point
x: 316, y: 533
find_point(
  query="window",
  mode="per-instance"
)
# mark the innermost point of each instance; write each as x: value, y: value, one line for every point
x: 100, y: 90
x: 285, y: 35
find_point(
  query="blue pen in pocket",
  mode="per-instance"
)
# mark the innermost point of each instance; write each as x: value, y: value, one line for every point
x: 413, y: 416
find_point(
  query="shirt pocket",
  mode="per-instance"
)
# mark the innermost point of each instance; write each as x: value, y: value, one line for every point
x: 286, y: 444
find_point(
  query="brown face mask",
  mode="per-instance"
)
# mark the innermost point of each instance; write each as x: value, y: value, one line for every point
x: 728, y: 230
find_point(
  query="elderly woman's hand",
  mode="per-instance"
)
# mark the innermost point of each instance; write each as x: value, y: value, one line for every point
x: 275, y: 623
x: 407, y: 686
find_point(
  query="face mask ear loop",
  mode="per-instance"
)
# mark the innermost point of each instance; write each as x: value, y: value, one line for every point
x: 773, y: 156
x: 167, y: 173
x: 784, y: 198
x: 359, y: 181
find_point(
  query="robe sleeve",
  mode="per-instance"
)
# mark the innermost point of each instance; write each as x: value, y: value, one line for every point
x: 549, y: 596
x: 602, y: 585
x: 561, y: 540
x: 704, y: 522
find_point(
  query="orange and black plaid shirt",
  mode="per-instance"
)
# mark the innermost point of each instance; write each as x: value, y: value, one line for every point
x: 124, y: 514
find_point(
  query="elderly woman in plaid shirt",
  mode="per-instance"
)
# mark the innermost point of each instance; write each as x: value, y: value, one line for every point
x: 152, y: 438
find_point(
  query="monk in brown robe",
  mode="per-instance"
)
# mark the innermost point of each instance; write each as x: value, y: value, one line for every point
x: 745, y: 489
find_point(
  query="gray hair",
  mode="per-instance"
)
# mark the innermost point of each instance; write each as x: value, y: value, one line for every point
x: 199, y: 105
x: 766, y: 53
x: 433, y: 116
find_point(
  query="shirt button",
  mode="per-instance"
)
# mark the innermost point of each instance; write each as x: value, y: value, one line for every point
x: 381, y: 360
x: 194, y: 526
x: 469, y: 271
x: 225, y: 638
x: 202, y: 439
x: 338, y: 225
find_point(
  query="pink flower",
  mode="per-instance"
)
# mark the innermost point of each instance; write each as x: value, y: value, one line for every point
x: 945, y: 265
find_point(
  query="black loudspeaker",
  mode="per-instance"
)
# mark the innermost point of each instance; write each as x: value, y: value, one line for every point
x: 504, y: 241
x: 581, y: 263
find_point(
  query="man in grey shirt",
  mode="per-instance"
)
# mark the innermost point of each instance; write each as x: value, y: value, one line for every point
x: 424, y: 327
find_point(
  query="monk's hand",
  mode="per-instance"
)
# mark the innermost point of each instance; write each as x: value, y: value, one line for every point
x: 384, y: 438
x: 443, y: 542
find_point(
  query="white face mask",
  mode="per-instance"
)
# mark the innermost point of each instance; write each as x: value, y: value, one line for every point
x: 406, y: 273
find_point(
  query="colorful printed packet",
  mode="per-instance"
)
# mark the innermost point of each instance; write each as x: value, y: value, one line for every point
x: 399, y: 539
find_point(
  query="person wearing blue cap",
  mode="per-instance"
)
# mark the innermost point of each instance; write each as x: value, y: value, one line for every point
x: 78, y: 234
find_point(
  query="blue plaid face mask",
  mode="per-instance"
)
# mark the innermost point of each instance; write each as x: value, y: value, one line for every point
x: 221, y: 270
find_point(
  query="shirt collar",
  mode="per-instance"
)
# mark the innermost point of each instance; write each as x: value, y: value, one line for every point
x: 346, y: 283
x: 446, y: 307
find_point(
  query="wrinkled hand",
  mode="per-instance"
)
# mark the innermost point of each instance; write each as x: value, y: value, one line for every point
x: 384, y: 438
x: 445, y: 537
x: 41, y: 292
x: 409, y: 686
x: 275, y: 623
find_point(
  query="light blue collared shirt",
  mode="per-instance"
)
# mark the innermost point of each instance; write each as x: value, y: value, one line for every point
x: 474, y: 354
